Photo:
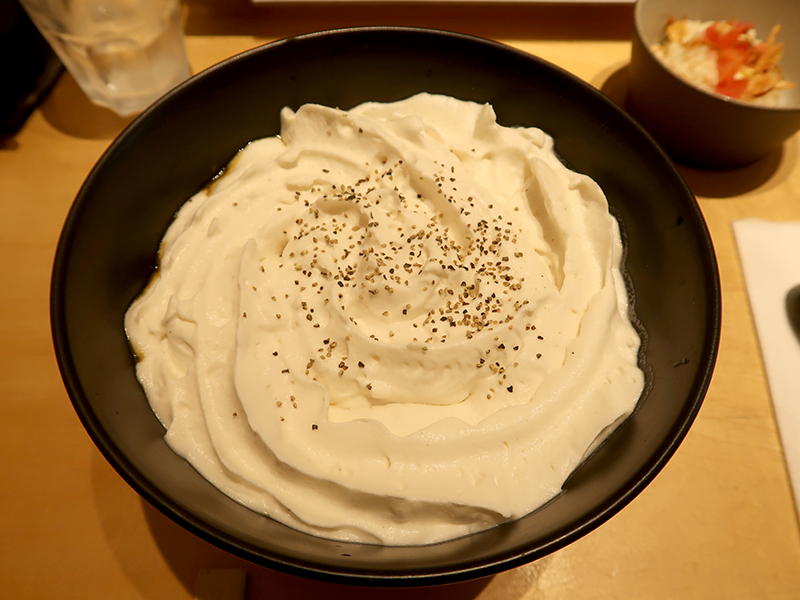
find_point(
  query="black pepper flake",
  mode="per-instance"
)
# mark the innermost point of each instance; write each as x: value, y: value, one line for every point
x: 314, y: 427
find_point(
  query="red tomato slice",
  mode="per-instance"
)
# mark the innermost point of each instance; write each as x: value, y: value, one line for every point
x: 733, y: 88
x: 729, y: 60
x: 716, y: 38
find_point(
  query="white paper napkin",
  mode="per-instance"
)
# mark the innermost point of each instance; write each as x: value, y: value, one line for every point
x: 770, y: 256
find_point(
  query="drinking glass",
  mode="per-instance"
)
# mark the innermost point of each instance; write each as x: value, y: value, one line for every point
x: 124, y: 54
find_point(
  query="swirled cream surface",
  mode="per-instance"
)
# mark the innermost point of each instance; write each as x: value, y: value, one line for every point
x: 398, y: 324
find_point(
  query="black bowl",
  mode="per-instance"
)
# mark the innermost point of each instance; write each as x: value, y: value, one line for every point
x: 108, y: 247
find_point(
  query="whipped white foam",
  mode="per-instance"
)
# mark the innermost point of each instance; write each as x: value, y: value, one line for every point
x: 398, y: 324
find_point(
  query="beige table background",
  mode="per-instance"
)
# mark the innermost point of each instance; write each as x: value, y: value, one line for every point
x: 718, y: 522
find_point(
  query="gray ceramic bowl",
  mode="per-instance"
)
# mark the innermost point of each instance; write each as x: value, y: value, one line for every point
x: 108, y: 249
x: 702, y: 128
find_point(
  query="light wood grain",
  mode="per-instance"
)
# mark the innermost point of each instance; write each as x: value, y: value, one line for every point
x: 717, y: 523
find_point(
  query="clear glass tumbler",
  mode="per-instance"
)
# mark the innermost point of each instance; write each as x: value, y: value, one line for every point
x: 124, y: 54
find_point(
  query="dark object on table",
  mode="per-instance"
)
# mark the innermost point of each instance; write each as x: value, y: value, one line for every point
x: 30, y: 66
x: 793, y: 308
x: 109, y: 244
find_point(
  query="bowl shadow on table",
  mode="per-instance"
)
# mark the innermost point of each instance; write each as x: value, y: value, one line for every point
x: 707, y: 183
x: 186, y: 555
x: 7, y: 142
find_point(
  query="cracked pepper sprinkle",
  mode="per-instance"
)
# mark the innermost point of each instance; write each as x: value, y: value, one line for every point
x: 373, y: 254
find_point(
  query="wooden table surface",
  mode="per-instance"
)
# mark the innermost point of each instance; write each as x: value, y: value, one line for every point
x: 718, y: 522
